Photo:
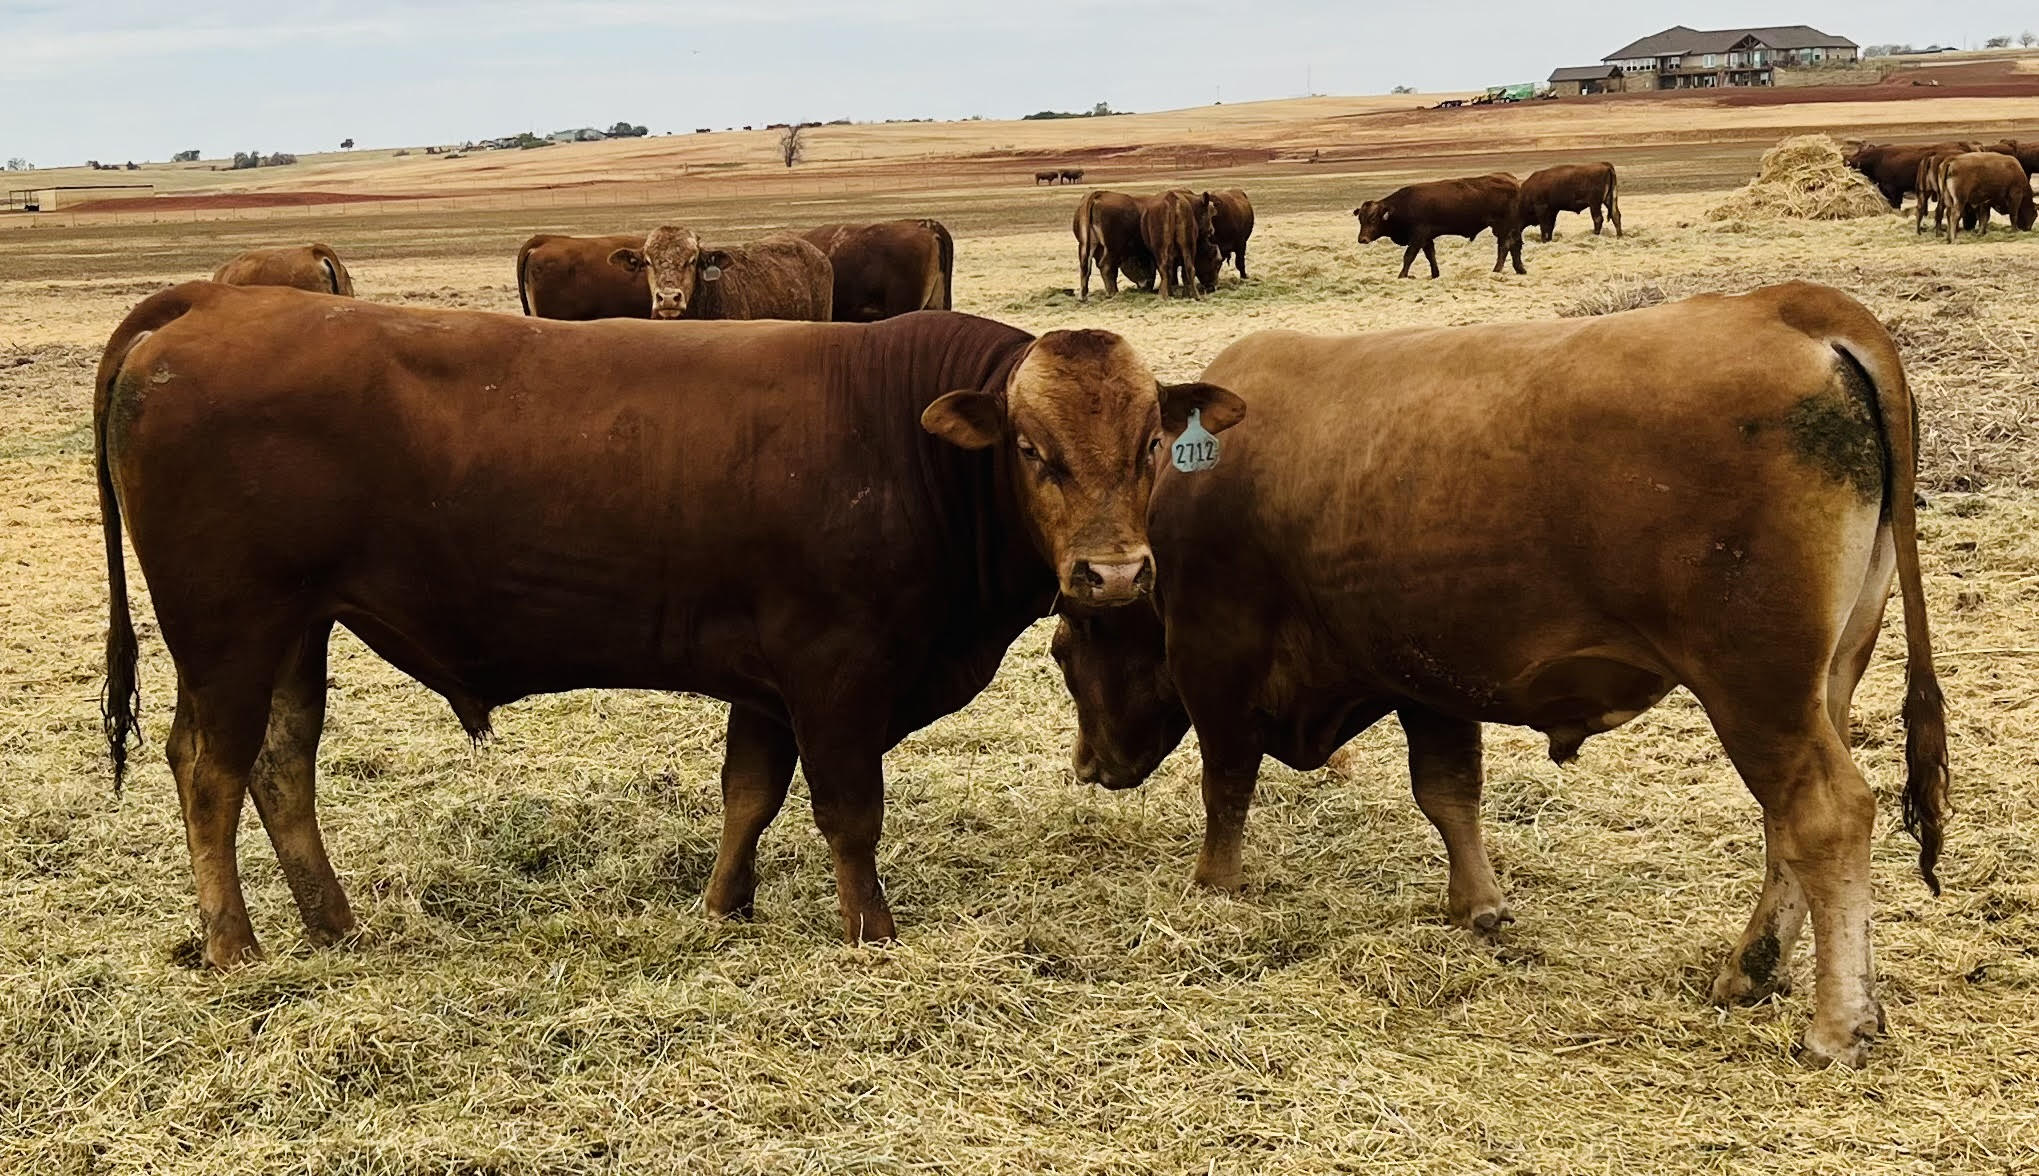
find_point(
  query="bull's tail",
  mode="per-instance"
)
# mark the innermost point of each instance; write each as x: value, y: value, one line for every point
x: 1614, y: 198
x: 1925, y: 710
x: 945, y: 246
x: 122, y: 696
x: 1085, y: 210
x: 523, y: 274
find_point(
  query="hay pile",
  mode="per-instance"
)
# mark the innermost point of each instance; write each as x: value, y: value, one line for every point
x: 1803, y: 178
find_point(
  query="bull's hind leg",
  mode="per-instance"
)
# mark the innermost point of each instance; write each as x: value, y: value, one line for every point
x: 757, y: 767
x: 213, y: 743
x: 1446, y: 775
x: 284, y: 784
x: 1818, y: 815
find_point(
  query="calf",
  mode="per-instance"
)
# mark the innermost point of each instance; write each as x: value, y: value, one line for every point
x: 777, y: 277
x: 1979, y: 181
x: 312, y: 267
x: 1571, y: 187
x: 1487, y: 525
x: 1927, y: 184
x: 1417, y: 215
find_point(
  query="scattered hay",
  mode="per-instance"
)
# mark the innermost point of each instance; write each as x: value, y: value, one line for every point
x: 1803, y: 178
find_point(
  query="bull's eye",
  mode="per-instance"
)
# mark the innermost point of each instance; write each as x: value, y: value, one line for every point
x: 1153, y: 447
x: 1027, y: 450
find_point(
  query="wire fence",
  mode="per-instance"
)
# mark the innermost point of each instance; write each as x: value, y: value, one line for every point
x: 690, y: 187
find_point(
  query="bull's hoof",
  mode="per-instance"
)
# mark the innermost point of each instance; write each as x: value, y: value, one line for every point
x: 332, y: 929
x: 1486, y: 922
x: 222, y: 955
x: 869, y: 927
x: 1735, y: 987
x: 1230, y: 881
x: 1848, y: 1047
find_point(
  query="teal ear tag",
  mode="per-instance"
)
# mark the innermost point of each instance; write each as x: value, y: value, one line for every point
x: 1196, y: 449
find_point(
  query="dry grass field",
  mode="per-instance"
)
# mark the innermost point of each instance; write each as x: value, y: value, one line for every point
x: 536, y: 989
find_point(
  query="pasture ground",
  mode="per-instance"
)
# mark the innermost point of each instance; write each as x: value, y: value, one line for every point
x: 536, y: 989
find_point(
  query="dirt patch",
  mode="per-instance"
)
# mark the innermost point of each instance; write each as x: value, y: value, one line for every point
x: 236, y: 200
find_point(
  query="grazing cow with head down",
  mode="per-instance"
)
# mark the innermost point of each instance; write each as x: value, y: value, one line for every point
x: 1571, y: 187
x: 1176, y: 226
x: 1973, y: 184
x: 1895, y: 170
x: 312, y: 267
x: 1046, y: 177
x: 1231, y: 227
x: 887, y: 268
x: 837, y: 528
x: 1487, y: 525
x: 1071, y: 175
x: 571, y: 278
x: 1417, y: 215
x: 1107, y: 227
x: 777, y: 277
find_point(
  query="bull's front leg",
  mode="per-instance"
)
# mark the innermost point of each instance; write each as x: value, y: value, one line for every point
x: 1231, y: 771
x: 1446, y: 775
x: 757, y: 767
x: 1410, y: 255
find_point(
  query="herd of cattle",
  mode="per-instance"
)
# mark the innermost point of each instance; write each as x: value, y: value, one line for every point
x: 1960, y: 182
x: 839, y: 527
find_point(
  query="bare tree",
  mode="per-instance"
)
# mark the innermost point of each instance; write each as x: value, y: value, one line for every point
x: 791, y: 148
x: 2028, y: 38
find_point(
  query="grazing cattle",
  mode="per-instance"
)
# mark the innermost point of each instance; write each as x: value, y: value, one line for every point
x: 1046, y: 177
x: 776, y: 277
x: 1487, y: 525
x: 837, y: 528
x: 1927, y: 185
x: 1979, y: 181
x: 1571, y: 187
x: 1107, y: 227
x: 2026, y: 153
x: 312, y: 267
x: 1231, y: 227
x: 1417, y: 215
x: 1176, y: 226
x: 888, y: 268
x: 571, y: 278
x: 1895, y: 170
x: 1071, y: 175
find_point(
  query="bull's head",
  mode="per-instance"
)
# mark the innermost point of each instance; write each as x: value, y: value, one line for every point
x: 1128, y: 715
x: 1081, y: 419
x: 1208, y: 260
x: 675, y: 265
x: 1373, y: 221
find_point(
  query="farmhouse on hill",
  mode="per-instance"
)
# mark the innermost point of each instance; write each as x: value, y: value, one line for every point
x: 1681, y: 58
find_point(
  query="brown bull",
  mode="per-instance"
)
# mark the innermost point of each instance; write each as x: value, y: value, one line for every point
x: 1486, y: 525
x: 837, y: 528
x: 2026, y: 152
x: 888, y: 268
x: 1417, y: 215
x: 1572, y: 187
x: 312, y: 267
x: 777, y: 277
x: 1927, y: 185
x: 1973, y: 184
x: 571, y: 278
x: 1231, y: 227
x: 1895, y: 169
x: 1107, y: 227
x: 1176, y: 226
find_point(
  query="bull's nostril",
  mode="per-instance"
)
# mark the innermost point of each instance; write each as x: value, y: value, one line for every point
x: 1085, y: 576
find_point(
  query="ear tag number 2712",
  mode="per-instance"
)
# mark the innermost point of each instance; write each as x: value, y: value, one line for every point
x: 1196, y: 449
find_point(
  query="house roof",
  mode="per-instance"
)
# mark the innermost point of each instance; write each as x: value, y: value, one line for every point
x: 1585, y: 73
x: 1679, y: 39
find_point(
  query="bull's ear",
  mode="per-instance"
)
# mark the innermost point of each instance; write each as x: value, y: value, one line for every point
x: 719, y: 258
x: 967, y: 419
x: 630, y: 259
x: 1361, y: 210
x: 1220, y: 407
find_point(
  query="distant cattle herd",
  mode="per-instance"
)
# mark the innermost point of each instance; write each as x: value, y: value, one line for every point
x: 839, y: 520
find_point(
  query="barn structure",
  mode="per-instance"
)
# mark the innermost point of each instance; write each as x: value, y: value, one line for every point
x: 1574, y: 80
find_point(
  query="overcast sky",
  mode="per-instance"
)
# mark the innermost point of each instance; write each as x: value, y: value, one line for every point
x: 120, y: 79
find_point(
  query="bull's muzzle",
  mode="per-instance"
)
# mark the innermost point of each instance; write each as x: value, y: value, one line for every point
x: 1118, y: 579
